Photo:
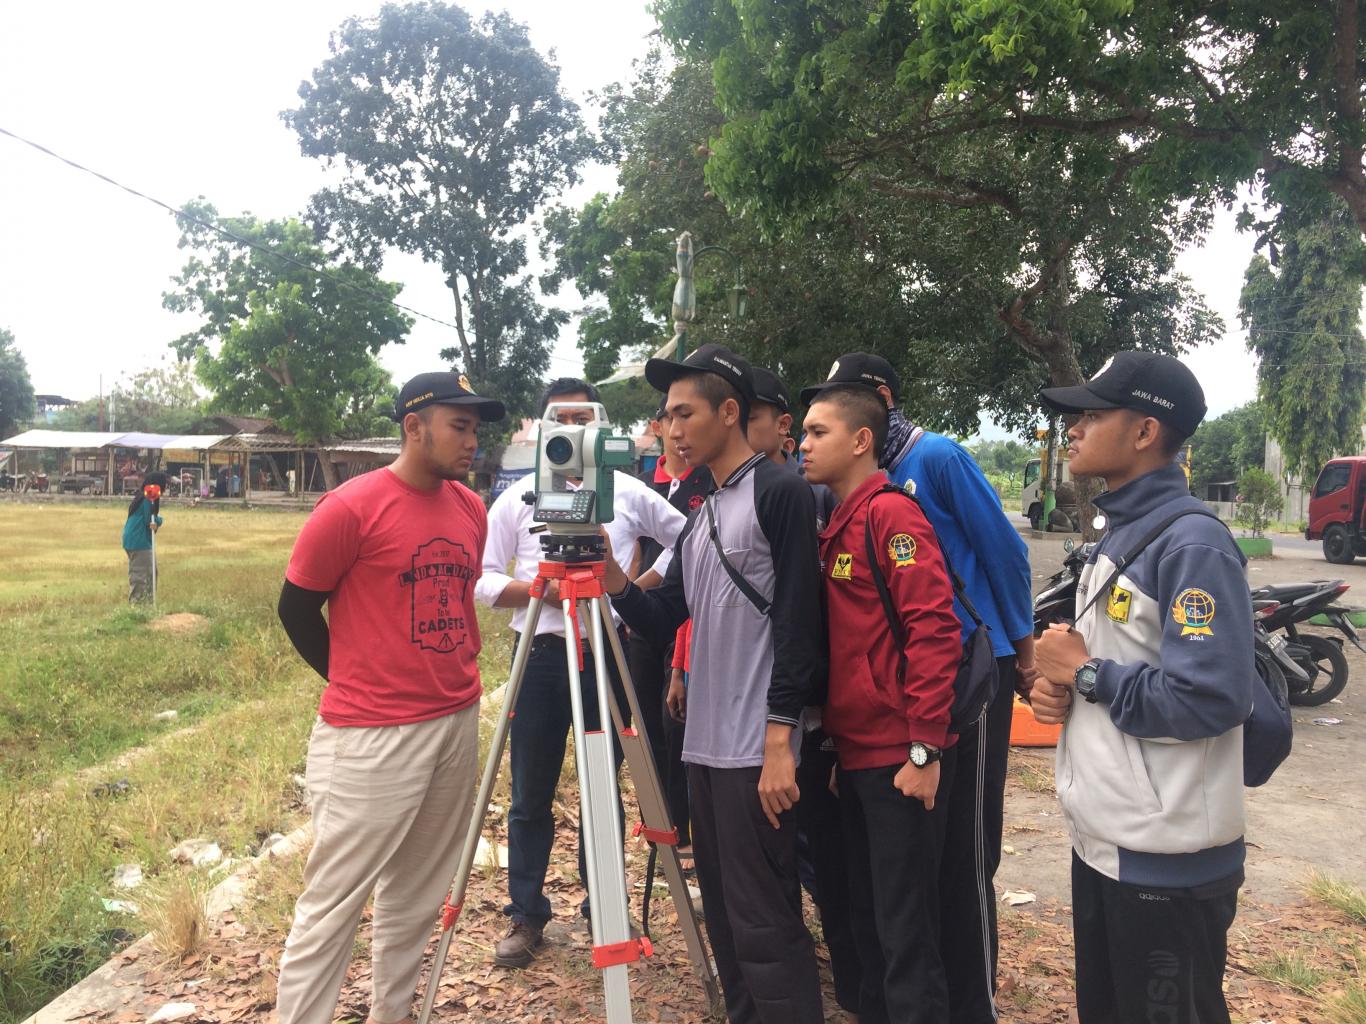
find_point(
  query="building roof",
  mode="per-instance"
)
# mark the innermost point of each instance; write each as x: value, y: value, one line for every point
x: 87, y: 439
x: 62, y: 439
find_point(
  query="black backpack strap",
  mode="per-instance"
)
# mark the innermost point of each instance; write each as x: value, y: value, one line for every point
x: 1128, y: 559
x: 742, y: 584
x: 888, y: 608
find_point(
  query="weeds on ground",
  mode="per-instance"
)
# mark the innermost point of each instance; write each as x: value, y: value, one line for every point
x: 175, y: 912
x: 1346, y: 899
x: 1031, y: 774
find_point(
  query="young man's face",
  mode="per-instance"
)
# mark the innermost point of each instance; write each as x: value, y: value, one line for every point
x: 1103, y: 442
x: 448, y: 439
x: 699, y: 433
x: 767, y: 429
x: 572, y: 417
x: 830, y: 447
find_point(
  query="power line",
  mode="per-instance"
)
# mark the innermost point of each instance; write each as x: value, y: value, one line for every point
x: 224, y: 232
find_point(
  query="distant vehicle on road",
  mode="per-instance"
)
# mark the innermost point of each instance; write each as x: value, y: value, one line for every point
x: 1336, y: 509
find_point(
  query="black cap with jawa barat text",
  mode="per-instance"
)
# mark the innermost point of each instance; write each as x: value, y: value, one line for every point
x: 1154, y: 384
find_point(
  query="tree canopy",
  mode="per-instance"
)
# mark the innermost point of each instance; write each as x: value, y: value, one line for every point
x: 451, y: 133
x: 159, y: 400
x: 1303, y: 319
x: 279, y: 337
x: 16, y: 390
x: 1225, y: 447
x: 861, y: 242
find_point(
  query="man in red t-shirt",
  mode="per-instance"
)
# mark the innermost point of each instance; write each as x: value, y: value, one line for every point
x: 392, y: 761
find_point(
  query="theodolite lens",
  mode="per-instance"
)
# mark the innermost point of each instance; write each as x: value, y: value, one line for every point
x: 559, y: 450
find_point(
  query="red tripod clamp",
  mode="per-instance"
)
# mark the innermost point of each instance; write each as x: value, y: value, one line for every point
x: 659, y: 836
x: 615, y: 954
x: 449, y: 913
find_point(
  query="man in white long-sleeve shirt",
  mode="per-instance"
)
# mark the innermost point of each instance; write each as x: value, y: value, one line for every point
x: 541, y: 723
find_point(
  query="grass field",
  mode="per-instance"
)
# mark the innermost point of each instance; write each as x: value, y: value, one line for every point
x: 82, y: 677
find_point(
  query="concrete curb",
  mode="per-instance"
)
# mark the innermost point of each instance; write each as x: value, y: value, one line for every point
x: 100, y: 991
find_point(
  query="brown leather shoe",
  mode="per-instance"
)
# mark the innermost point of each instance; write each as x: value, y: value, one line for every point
x: 518, y: 947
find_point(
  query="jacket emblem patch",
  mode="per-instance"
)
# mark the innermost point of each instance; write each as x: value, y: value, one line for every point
x: 1193, y: 611
x: 1117, y: 607
x: 843, y: 568
x: 901, y: 548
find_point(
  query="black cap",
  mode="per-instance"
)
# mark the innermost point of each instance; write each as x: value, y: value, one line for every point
x: 1154, y: 384
x: 444, y: 388
x: 858, y: 368
x: 710, y: 359
x: 768, y: 387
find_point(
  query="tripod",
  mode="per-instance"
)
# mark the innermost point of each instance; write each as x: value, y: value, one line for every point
x: 576, y: 561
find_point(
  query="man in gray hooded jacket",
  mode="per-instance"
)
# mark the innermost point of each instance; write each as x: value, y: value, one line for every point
x: 1153, y: 686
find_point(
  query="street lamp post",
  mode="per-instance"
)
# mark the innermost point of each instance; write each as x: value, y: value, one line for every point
x: 685, y: 291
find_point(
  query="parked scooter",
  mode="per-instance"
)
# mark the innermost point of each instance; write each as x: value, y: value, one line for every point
x: 1057, y: 602
x: 1321, y: 657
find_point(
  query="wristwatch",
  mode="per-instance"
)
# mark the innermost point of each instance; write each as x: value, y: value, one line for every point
x: 922, y: 754
x: 1085, y: 680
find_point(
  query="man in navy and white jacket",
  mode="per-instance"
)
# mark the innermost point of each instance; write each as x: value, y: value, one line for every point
x: 1153, y: 687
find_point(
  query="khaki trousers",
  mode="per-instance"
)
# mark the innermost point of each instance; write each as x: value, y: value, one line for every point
x: 390, y: 806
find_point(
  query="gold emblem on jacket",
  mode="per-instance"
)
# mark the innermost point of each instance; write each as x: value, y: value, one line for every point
x: 901, y: 548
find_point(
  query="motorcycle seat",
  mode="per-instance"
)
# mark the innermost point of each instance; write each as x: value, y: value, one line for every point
x: 1287, y: 592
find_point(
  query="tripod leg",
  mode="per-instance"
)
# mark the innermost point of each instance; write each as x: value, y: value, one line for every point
x: 601, y: 831
x: 454, y: 901
x: 654, y: 808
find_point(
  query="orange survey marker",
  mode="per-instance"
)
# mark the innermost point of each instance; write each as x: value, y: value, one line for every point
x: 1026, y: 732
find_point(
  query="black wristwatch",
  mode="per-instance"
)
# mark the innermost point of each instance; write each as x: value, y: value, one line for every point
x: 1085, y: 680
x: 922, y: 754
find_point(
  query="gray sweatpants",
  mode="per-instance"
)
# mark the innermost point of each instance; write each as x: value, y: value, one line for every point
x: 390, y: 806
x: 140, y: 576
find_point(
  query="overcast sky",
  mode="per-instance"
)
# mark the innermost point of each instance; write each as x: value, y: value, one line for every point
x: 183, y: 99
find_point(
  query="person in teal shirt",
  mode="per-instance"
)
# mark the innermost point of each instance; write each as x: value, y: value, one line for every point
x: 143, y: 518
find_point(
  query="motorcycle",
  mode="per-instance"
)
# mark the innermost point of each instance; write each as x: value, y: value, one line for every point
x: 1057, y: 602
x: 1322, y: 658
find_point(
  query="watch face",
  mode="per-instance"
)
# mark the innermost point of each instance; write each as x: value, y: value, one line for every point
x: 919, y: 755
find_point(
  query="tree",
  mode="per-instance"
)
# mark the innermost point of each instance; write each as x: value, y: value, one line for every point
x: 451, y: 133
x: 1304, y: 323
x: 835, y: 264
x: 1266, y: 91
x: 1259, y: 500
x: 279, y: 337
x: 16, y: 390
x: 160, y: 400
x: 1224, y: 447
x: 822, y: 113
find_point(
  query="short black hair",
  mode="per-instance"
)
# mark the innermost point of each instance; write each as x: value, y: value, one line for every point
x: 1170, y: 440
x: 715, y: 390
x: 859, y: 407
x: 425, y: 414
x: 567, y: 386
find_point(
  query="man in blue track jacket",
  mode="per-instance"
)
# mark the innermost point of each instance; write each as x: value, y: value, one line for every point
x: 1153, y: 686
x: 989, y: 555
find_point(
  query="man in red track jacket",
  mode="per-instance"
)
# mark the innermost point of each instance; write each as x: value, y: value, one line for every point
x: 888, y: 708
